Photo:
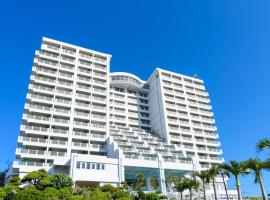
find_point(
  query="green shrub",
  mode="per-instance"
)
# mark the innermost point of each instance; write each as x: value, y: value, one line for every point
x: 99, y: 195
x: 2, y: 193
x: 79, y: 197
x: 163, y: 197
x: 50, y: 194
x: 108, y: 188
x: 65, y: 193
x: 151, y: 196
x: 141, y: 195
x: 120, y: 194
x: 31, y: 193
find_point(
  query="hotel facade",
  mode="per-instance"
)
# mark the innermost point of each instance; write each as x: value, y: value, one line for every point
x: 105, y: 128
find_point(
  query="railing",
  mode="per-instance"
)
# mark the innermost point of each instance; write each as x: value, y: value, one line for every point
x: 79, y: 144
x: 37, y: 117
x: 62, y: 121
x: 77, y: 133
x: 57, y: 153
x: 58, y: 142
x: 31, y: 139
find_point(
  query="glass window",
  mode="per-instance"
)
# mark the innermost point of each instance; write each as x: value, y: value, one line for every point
x: 103, y: 167
x: 83, y: 165
x: 88, y: 165
x: 98, y: 166
x: 78, y: 166
x: 93, y: 166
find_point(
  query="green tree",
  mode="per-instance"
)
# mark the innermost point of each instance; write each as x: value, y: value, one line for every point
x: 224, y: 173
x: 191, y: 185
x: 2, y: 177
x: 180, y: 185
x: 256, y: 166
x: 213, y: 172
x: 236, y: 169
x: 263, y: 144
x: 15, y: 181
x: 204, y: 176
x: 59, y: 181
x: 35, y: 178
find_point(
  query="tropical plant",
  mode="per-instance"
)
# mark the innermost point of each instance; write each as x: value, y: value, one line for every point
x: 180, y: 185
x: 236, y: 169
x: 263, y: 144
x: 256, y: 166
x: 213, y: 172
x: 204, y: 176
x: 224, y: 173
x: 191, y: 185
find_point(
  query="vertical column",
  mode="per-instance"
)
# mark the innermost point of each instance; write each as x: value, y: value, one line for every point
x: 161, y: 175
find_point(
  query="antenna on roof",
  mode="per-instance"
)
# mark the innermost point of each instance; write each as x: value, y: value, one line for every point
x: 195, y: 76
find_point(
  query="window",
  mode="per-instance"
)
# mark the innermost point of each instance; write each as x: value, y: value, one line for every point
x: 83, y: 165
x: 102, y: 167
x: 98, y: 166
x: 88, y: 166
x: 78, y: 166
x: 93, y: 166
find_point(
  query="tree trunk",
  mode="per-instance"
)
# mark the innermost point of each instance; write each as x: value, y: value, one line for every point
x: 225, y: 186
x: 204, y: 192
x: 264, y: 195
x: 190, y: 194
x: 181, y: 195
x: 238, y: 186
x: 214, y: 187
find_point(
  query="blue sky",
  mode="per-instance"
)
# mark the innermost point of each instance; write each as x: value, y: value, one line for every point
x: 226, y: 43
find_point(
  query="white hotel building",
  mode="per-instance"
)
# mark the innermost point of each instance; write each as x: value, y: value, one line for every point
x: 101, y: 127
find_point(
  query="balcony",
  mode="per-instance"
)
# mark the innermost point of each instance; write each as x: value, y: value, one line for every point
x: 58, y: 142
x: 60, y: 121
x: 57, y: 154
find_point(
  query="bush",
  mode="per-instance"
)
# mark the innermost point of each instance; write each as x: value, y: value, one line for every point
x: 108, y: 188
x: 151, y: 196
x: 79, y: 197
x: 120, y: 194
x: 50, y: 194
x: 163, y: 197
x: 2, y: 193
x: 99, y: 195
x: 65, y: 193
x: 141, y: 195
x: 31, y: 193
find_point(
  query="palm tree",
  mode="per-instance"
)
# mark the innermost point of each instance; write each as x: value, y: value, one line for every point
x: 180, y: 185
x: 256, y: 165
x: 236, y: 168
x: 191, y: 184
x: 204, y: 176
x: 263, y: 144
x: 224, y: 173
x: 213, y: 172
